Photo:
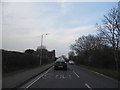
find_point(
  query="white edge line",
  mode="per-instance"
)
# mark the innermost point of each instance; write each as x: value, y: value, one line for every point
x: 103, y: 75
x: 37, y: 79
x: 76, y: 74
x: 88, y: 86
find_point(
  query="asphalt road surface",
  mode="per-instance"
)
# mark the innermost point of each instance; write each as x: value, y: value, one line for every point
x: 74, y: 77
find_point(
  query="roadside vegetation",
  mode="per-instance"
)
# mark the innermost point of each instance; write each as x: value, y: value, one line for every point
x: 13, y: 62
x: 107, y: 72
x: 101, y: 51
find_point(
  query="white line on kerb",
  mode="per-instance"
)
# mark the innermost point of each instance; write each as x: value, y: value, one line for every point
x: 38, y: 78
x: 76, y: 74
x: 88, y: 86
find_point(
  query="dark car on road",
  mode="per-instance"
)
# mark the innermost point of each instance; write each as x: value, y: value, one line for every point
x: 60, y: 64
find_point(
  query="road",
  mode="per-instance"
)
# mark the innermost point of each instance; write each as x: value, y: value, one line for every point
x: 74, y: 77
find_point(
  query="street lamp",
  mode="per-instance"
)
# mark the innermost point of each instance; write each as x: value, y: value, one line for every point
x: 41, y: 47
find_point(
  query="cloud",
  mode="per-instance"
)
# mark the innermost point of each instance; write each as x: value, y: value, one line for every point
x: 64, y: 7
x: 25, y: 18
x: 59, y: 0
x: 0, y: 25
x: 23, y: 24
x: 62, y: 39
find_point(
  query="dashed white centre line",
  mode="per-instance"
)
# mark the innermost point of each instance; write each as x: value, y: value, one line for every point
x: 76, y: 74
x: 88, y: 86
x: 38, y: 78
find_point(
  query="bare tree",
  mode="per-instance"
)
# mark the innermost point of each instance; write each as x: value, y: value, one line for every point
x: 110, y: 31
x: 86, y: 43
x: 71, y: 55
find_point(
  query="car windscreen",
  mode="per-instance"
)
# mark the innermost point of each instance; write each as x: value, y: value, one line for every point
x: 60, y: 60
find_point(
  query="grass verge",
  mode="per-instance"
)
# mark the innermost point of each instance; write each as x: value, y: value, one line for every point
x: 111, y: 73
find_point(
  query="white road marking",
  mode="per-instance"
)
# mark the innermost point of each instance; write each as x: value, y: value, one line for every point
x: 38, y: 78
x: 76, y: 74
x: 70, y: 76
x: 103, y: 75
x: 88, y: 86
x: 56, y: 76
x: 62, y: 77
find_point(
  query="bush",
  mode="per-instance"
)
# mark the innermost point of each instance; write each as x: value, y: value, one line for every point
x: 12, y: 61
x: 100, y: 58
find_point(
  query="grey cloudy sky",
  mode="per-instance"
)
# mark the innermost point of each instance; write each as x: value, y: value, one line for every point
x: 24, y: 22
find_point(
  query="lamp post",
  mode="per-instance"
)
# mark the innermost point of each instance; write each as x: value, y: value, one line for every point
x: 41, y: 47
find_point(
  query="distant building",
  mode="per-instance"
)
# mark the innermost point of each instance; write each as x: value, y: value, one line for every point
x: 51, y: 55
x: 47, y: 56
